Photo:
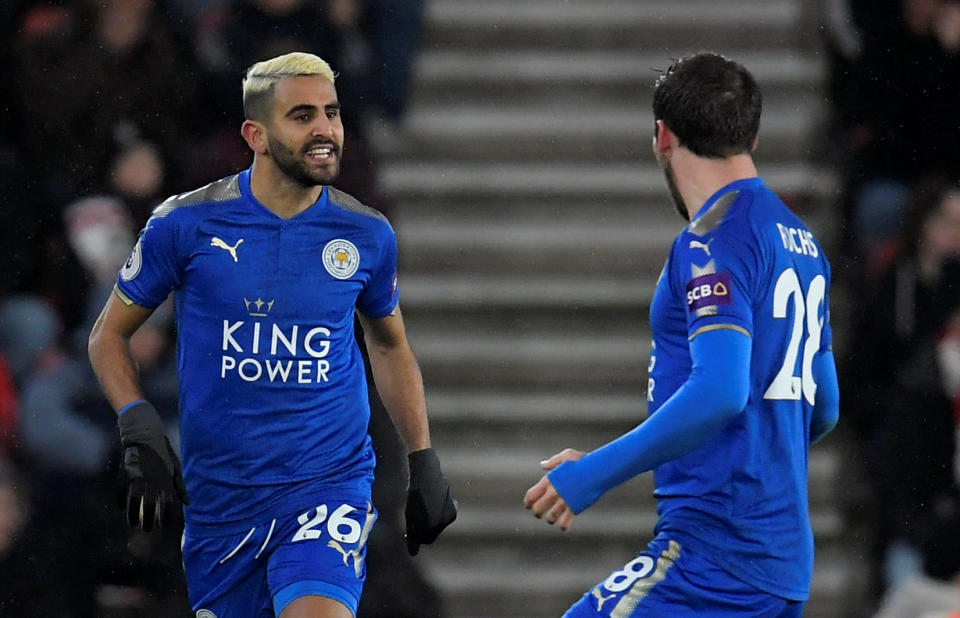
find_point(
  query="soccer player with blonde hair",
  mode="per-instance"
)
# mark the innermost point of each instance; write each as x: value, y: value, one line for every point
x: 268, y: 268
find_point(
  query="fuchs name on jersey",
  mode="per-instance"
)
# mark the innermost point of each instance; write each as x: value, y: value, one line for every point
x: 798, y: 240
x: 256, y: 351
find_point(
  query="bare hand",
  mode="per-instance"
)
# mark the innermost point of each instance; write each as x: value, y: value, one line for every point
x: 544, y: 501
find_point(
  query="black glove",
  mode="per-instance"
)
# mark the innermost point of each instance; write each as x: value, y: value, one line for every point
x: 149, y: 471
x: 430, y: 507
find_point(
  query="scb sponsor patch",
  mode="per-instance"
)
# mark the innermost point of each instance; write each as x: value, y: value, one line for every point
x: 709, y: 290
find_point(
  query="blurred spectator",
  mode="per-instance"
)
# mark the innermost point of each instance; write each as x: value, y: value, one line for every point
x: 922, y: 597
x: 99, y: 565
x: 895, y: 386
x: 20, y: 223
x: 8, y: 408
x: 895, y: 82
x: 382, y: 42
x: 29, y: 330
x: 137, y: 174
x: 948, y: 358
x: 25, y: 588
x: 87, y: 74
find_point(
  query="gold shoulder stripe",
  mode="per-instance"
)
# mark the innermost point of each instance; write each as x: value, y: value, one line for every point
x: 126, y: 300
x: 642, y: 587
x: 710, y: 327
x: 711, y: 219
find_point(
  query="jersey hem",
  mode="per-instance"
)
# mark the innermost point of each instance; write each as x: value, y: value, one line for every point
x: 290, y: 502
x: 710, y: 552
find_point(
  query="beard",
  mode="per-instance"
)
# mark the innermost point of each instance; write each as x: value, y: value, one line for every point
x: 671, y: 179
x: 296, y: 168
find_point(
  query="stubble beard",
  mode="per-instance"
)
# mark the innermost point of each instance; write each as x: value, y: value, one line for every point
x: 671, y: 179
x: 296, y: 169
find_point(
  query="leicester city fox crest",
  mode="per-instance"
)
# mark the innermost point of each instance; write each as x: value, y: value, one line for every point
x: 341, y: 258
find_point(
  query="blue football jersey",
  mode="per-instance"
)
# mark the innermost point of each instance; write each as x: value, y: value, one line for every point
x: 748, y: 264
x: 273, y: 396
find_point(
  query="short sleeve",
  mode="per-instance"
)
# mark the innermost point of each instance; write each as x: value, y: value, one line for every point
x: 380, y: 295
x: 154, y: 268
x: 716, y: 275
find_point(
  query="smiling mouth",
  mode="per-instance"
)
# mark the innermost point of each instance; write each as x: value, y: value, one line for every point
x: 321, y: 152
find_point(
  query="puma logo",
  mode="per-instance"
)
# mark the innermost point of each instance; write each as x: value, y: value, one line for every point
x: 361, y: 541
x: 600, y: 598
x: 696, y: 244
x: 216, y: 242
x: 354, y: 553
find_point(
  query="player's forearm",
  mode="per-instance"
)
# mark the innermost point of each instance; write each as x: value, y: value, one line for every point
x: 114, y: 367
x: 716, y: 392
x: 400, y: 385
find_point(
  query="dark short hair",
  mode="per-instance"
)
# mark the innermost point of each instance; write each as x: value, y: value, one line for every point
x: 711, y: 103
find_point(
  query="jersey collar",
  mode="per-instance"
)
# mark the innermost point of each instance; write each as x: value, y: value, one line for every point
x: 314, y: 209
x: 736, y: 185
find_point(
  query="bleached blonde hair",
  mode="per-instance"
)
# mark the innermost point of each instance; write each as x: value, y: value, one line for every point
x: 259, y: 81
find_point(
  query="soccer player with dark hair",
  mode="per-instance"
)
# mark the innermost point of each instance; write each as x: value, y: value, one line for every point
x: 268, y: 268
x: 742, y: 378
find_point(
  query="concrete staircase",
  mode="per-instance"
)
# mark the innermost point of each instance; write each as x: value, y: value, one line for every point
x: 532, y: 223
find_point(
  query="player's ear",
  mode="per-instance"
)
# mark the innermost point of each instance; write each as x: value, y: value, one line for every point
x: 255, y: 135
x: 756, y: 140
x: 662, y: 139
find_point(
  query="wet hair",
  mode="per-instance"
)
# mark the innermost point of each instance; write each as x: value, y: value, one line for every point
x: 711, y: 103
x: 259, y: 80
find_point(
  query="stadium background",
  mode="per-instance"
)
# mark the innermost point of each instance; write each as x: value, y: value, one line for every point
x: 516, y: 168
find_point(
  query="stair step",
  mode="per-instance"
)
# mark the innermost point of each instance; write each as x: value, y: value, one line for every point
x: 479, y: 131
x: 492, y: 472
x: 509, y: 78
x: 589, y: 14
x: 518, y: 294
x: 555, y: 577
x: 547, y: 182
x: 534, y: 408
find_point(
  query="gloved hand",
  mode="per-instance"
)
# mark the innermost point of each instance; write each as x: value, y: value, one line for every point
x: 430, y: 507
x: 150, y: 475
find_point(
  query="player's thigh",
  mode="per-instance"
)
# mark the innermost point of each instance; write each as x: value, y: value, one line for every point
x: 668, y: 580
x: 315, y: 607
x: 225, y: 577
x: 321, y: 553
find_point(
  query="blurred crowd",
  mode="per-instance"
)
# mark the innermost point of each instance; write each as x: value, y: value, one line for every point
x: 894, y: 82
x: 110, y: 106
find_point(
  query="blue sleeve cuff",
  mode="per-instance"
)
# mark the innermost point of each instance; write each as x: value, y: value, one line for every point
x: 130, y: 405
x: 826, y: 407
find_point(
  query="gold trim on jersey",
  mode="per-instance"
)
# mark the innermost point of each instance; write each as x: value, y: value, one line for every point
x: 711, y: 219
x: 641, y: 587
x: 710, y: 327
x: 126, y: 300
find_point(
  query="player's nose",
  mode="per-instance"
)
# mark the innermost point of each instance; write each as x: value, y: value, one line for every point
x: 323, y: 127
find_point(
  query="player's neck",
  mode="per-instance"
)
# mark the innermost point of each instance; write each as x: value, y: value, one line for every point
x: 698, y: 178
x: 278, y: 194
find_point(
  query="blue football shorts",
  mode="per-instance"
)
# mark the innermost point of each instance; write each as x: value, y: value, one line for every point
x: 319, y: 550
x: 670, y: 581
